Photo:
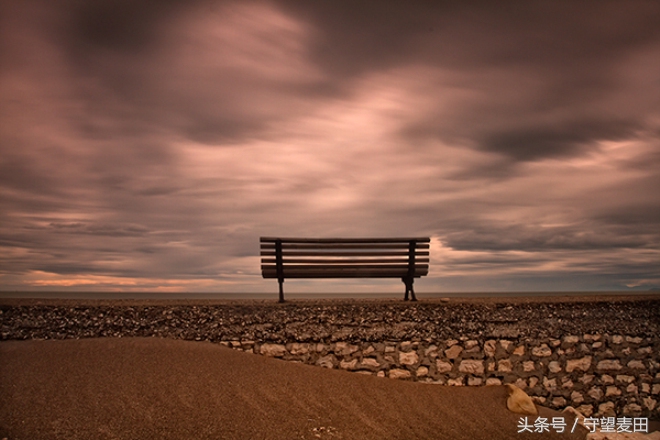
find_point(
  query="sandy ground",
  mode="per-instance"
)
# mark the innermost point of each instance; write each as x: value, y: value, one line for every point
x: 150, y: 388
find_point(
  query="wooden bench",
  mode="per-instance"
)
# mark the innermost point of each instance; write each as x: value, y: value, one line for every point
x: 405, y: 258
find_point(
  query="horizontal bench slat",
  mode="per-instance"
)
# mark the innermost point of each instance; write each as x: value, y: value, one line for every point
x: 340, y: 267
x: 343, y: 254
x: 344, y: 246
x: 352, y: 273
x: 286, y: 260
x: 344, y: 240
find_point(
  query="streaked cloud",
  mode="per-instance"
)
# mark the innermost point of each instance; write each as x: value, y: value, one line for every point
x: 147, y: 145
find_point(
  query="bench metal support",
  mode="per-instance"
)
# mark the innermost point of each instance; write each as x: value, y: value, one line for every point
x: 279, y: 268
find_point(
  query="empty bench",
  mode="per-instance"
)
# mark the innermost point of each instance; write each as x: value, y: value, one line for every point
x: 405, y: 258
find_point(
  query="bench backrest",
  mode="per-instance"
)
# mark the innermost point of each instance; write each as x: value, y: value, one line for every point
x: 344, y: 257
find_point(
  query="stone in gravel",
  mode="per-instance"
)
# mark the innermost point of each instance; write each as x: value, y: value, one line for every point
x: 519, y: 351
x: 549, y: 384
x: 493, y: 381
x: 607, y: 409
x: 650, y: 403
x: 595, y: 393
x: 632, y: 409
x: 519, y: 402
x: 587, y: 410
x: 577, y: 397
x: 554, y: 367
x: 617, y: 339
x: 422, y: 372
x: 558, y: 402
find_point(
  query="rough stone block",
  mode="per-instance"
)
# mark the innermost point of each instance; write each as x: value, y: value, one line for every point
x: 528, y: 366
x: 273, y: 350
x: 369, y: 363
x: 606, y: 379
x: 636, y: 365
x: 471, y: 367
x: 422, y: 372
x: 453, y: 352
x: 298, y: 348
x: 409, y: 358
x: 582, y: 364
x: 474, y: 381
x: 398, y: 373
x: 443, y: 367
x: 348, y: 365
x: 489, y: 347
x: 625, y: 378
x: 542, y: 351
x: 456, y: 382
x: 327, y: 361
x: 609, y: 365
x: 612, y: 391
x: 505, y: 366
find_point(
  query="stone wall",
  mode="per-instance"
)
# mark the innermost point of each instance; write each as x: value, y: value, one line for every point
x: 600, y: 375
x: 600, y: 357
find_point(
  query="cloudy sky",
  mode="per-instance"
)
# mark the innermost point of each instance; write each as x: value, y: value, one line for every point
x: 147, y: 145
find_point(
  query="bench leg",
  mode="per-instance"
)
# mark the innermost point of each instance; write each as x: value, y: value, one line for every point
x: 408, y: 281
x: 281, y: 282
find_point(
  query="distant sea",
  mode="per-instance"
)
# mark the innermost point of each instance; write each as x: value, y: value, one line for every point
x: 294, y: 295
